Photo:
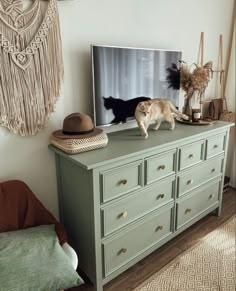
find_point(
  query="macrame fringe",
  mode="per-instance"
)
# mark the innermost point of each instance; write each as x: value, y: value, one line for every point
x: 28, y: 94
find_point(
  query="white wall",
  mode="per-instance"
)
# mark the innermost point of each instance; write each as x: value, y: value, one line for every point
x: 230, y: 96
x: 161, y: 24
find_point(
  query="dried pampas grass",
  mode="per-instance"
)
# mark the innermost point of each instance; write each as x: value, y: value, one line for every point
x: 196, y: 80
x: 190, y: 81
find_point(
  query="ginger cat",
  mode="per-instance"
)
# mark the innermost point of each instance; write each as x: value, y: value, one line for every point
x: 157, y: 110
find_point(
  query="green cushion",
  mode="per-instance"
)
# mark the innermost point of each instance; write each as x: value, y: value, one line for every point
x: 32, y: 259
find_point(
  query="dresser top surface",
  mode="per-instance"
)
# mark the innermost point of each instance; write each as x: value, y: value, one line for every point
x: 128, y: 143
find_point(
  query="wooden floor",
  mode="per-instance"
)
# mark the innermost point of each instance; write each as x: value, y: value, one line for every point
x: 152, y: 263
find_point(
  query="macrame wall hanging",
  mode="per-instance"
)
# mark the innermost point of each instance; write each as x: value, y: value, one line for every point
x: 31, y: 64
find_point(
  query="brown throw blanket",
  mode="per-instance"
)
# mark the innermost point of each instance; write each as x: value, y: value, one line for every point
x: 19, y: 209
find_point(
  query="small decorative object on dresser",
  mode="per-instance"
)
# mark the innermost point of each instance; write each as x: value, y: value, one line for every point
x: 78, y: 135
x: 196, y: 114
x: 120, y: 205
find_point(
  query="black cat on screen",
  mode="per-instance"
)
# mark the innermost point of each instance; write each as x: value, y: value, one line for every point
x: 122, y: 109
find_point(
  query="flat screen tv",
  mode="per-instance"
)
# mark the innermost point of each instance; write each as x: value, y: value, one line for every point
x: 124, y: 73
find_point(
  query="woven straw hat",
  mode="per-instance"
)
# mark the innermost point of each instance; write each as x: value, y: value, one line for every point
x: 77, y: 126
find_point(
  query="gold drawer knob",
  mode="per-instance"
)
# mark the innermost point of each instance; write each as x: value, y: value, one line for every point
x: 211, y: 196
x: 160, y: 227
x: 162, y: 167
x: 123, y: 250
x: 160, y: 196
x: 124, y: 214
x: 190, y: 182
x: 191, y: 156
x: 124, y: 181
x: 188, y: 210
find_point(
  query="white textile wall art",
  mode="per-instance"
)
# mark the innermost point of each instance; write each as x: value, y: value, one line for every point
x: 31, y: 64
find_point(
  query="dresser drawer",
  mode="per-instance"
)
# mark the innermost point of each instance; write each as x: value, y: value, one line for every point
x: 191, y: 154
x: 198, y: 175
x: 128, y: 209
x: 215, y: 145
x: 126, y: 246
x: 194, y: 205
x: 160, y: 166
x: 120, y: 180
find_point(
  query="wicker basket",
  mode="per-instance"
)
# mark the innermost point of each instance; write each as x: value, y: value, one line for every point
x: 227, y: 116
x: 76, y: 145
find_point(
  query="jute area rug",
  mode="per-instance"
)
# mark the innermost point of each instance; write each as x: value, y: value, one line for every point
x: 207, y: 266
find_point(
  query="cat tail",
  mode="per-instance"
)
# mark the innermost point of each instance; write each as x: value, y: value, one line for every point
x: 177, y: 112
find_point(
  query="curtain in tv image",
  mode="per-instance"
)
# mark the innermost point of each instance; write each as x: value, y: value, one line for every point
x: 127, y: 73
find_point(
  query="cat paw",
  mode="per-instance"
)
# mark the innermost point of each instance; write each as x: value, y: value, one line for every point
x: 146, y: 136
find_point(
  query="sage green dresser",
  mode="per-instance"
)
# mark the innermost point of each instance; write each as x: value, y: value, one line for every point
x: 121, y: 202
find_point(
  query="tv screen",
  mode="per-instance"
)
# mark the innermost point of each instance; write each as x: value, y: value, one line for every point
x: 122, y: 77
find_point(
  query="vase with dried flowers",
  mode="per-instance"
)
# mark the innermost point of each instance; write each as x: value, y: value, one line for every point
x: 194, y: 82
x: 191, y: 81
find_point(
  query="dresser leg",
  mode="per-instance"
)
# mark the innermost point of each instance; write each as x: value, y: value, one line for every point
x: 218, y: 211
x: 99, y: 287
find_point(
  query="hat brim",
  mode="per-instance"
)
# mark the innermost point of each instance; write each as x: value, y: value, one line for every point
x: 60, y: 134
